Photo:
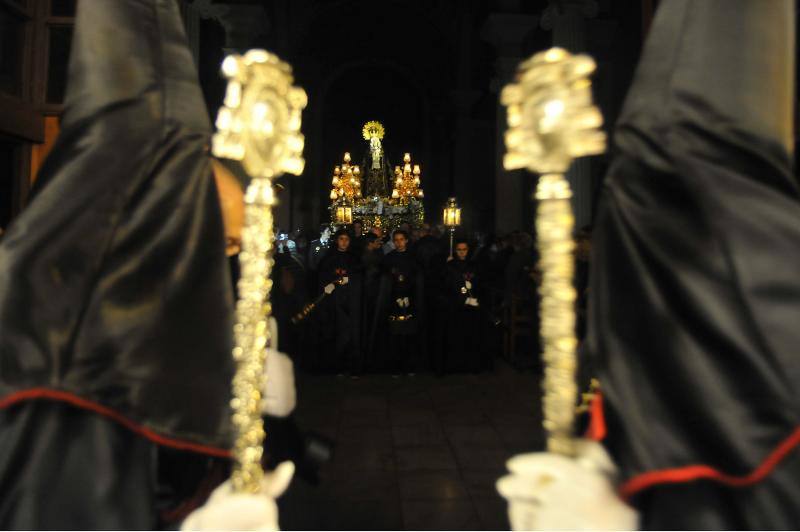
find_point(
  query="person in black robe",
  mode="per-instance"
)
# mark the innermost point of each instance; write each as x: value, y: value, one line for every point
x: 339, y: 314
x: 371, y: 258
x: 116, y: 304
x: 430, y: 252
x: 694, y: 311
x: 289, y: 294
x: 357, y: 241
x: 465, y: 322
x: 401, y: 308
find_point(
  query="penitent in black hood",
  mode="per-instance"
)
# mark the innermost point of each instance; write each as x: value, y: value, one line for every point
x: 115, y: 291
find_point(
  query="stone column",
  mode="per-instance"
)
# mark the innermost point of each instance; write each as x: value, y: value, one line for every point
x: 567, y: 20
x: 506, y: 32
x: 463, y: 181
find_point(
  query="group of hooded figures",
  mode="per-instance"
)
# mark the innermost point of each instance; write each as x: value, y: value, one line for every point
x: 116, y: 306
x: 398, y: 307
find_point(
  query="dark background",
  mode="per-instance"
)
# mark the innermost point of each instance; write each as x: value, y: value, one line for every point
x: 429, y: 70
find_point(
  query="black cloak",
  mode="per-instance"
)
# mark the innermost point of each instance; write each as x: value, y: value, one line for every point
x: 464, y: 325
x: 401, y: 277
x: 115, y: 296
x: 339, y: 314
x: 694, y: 319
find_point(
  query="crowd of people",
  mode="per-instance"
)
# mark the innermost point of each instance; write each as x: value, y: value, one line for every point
x: 398, y: 302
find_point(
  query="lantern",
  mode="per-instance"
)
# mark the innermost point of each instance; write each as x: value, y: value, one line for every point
x: 451, y: 217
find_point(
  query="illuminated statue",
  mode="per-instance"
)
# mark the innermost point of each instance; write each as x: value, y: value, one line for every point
x: 377, y: 168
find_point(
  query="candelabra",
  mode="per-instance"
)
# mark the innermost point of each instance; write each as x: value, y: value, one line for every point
x: 407, y: 181
x: 346, y: 182
x: 259, y: 124
x: 551, y: 121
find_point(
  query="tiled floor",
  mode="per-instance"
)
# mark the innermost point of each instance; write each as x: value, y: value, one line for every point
x: 415, y: 453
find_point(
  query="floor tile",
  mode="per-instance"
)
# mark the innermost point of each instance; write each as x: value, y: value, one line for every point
x: 476, y: 457
x: 366, y: 418
x: 415, y: 453
x: 427, y: 485
x: 412, y: 416
x: 425, y: 458
x: 480, y: 483
x: 482, y: 435
x: 360, y: 485
x: 363, y: 457
x: 453, y: 514
x: 366, y: 436
x: 492, y: 513
x: 424, y: 434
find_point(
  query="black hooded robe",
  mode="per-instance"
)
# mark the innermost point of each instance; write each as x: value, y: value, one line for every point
x: 339, y: 314
x: 694, y: 318
x: 464, y: 324
x: 398, y: 331
x: 115, y: 296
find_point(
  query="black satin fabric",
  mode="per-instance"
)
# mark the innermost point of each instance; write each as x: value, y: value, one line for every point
x: 694, y: 319
x: 55, y: 457
x: 114, y: 284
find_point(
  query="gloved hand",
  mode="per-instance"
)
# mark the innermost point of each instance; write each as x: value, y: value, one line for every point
x: 279, y: 394
x: 468, y: 284
x: 345, y: 280
x: 226, y: 510
x: 471, y: 302
x: 329, y: 288
x: 547, y: 491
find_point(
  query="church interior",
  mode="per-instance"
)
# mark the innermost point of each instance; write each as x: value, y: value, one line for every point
x: 408, y: 260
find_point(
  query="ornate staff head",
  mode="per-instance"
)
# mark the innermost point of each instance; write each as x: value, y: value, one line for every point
x: 259, y: 125
x: 259, y: 122
x: 551, y: 118
x: 551, y: 121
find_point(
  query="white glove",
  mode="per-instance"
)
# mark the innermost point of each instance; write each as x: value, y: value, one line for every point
x: 278, y: 394
x: 345, y: 280
x: 471, y: 302
x: 468, y: 284
x: 329, y: 288
x: 547, y: 491
x: 406, y: 302
x: 226, y: 510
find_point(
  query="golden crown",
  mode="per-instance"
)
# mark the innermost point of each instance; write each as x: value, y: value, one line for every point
x: 373, y: 128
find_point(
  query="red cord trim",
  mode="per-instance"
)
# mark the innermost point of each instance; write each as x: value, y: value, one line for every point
x: 597, y: 429
x: 74, y: 400
x: 701, y: 471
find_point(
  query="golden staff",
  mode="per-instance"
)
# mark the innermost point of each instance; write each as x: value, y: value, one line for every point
x: 551, y: 121
x: 309, y: 308
x: 259, y: 125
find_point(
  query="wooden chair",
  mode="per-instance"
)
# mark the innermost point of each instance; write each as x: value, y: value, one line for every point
x: 520, y: 322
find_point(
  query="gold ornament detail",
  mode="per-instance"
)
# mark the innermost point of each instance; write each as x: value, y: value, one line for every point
x: 551, y: 121
x: 373, y: 129
x: 259, y: 125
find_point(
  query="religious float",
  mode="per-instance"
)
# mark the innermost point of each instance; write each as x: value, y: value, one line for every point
x: 379, y: 203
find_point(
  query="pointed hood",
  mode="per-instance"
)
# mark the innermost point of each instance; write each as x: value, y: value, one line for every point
x: 128, y: 51
x: 695, y: 295
x: 115, y: 292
